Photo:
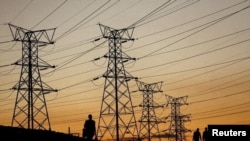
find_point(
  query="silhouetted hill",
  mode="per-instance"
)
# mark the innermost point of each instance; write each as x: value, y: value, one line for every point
x: 20, y: 134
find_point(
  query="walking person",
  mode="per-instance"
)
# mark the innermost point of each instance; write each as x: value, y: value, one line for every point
x: 197, y: 135
x: 205, y: 134
x: 89, y: 130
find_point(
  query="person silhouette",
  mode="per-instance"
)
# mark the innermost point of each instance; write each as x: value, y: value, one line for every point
x: 197, y: 135
x: 89, y: 129
x: 205, y: 134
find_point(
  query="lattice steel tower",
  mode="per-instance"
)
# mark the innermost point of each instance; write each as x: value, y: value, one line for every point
x: 177, y: 128
x: 117, y: 120
x: 30, y: 110
x: 149, y: 121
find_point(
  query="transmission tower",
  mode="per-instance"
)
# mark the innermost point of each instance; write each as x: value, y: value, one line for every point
x: 30, y: 110
x: 148, y: 121
x: 117, y: 119
x: 177, y: 129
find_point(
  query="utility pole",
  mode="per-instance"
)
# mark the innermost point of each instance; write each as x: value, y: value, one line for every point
x: 30, y: 110
x: 117, y: 119
x: 149, y: 121
x: 177, y: 127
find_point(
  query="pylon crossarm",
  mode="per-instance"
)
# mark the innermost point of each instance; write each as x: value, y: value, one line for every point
x: 44, y: 37
x: 43, y: 64
x: 41, y: 37
x: 17, y: 32
x: 121, y: 34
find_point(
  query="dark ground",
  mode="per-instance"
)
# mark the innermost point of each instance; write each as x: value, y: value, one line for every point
x: 21, y: 134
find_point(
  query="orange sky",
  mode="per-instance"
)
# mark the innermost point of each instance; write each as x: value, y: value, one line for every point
x: 199, y: 49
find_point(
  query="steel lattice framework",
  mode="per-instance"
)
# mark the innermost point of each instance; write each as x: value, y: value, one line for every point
x: 30, y: 110
x: 149, y: 121
x: 177, y: 129
x: 117, y: 120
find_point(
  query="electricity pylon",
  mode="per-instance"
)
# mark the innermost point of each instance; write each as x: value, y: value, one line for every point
x: 117, y: 119
x: 149, y: 121
x: 177, y: 129
x: 30, y: 110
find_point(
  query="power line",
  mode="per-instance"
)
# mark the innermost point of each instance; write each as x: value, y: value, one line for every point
x: 75, y: 26
x: 50, y: 14
x: 217, y: 89
x: 78, y: 83
x: 171, y: 11
x: 196, y: 84
x: 84, y: 8
x: 223, y: 109
x: 101, y: 12
x: 216, y: 12
x: 222, y: 115
x: 164, y: 5
x: 79, y: 55
x: 193, y: 56
x: 209, y: 24
x: 2, y: 42
x: 201, y: 73
x: 118, y: 13
x: 203, y: 67
x: 228, y: 95
x: 5, y: 65
x: 19, y: 13
x: 189, y: 46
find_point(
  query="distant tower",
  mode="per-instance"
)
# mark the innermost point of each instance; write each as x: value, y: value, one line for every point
x: 149, y: 121
x: 30, y: 109
x: 177, y: 129
x: 117, y: 120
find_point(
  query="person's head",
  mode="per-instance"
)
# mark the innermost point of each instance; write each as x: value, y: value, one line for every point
x: 197, y: 129
x: 205, y: 128
x: 90, y: 116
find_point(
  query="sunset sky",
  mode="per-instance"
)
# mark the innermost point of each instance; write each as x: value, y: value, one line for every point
x: 197, y: 48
